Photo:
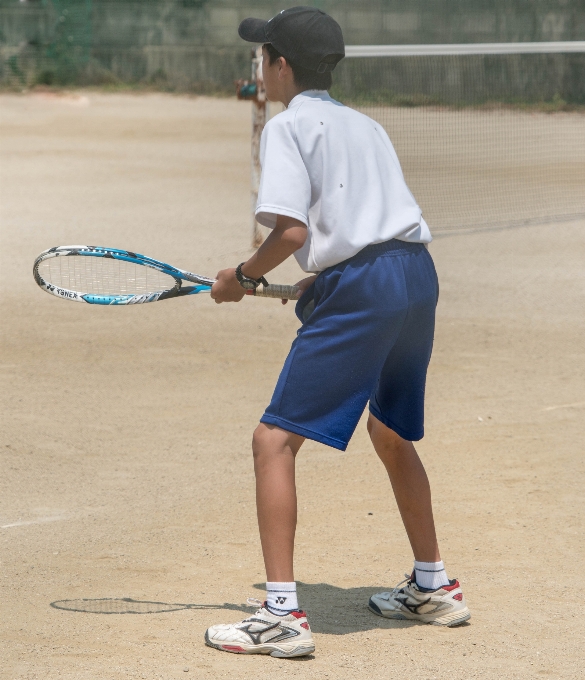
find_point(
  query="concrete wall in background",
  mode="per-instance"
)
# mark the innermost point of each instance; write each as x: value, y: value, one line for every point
x: 193, y: 44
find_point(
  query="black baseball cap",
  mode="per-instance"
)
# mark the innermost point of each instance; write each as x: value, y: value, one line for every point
x: 305, y: 35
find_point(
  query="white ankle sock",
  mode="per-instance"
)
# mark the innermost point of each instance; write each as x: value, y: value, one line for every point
x: 281, y: 598
x: 431, y: 575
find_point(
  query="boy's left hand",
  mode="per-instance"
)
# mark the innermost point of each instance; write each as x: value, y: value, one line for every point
x: 303, y: 284
x: 227, y: 288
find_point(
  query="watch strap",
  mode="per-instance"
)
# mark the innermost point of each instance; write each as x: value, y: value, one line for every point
x: 242, y: 277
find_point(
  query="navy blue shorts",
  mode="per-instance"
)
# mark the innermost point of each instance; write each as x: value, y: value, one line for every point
x: 368, y: 336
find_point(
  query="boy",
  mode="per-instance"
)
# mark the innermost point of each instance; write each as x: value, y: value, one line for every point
x: 333, y: 192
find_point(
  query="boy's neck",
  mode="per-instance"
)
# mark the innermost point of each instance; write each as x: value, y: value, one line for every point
x: 288, y: 101
x: 289, y: 92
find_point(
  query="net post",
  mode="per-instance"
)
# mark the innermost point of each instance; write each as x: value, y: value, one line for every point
x: 259, y: 117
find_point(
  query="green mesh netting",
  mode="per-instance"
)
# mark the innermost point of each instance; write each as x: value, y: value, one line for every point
x: 69, y: 48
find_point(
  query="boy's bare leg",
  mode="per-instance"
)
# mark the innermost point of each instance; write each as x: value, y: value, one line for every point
x: 276, y: 497
x: 411, y: 489
x: 278, y: 627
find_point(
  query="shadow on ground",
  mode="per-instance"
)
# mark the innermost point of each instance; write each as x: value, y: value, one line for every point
x: 332, y: 610
x: 340, y: 611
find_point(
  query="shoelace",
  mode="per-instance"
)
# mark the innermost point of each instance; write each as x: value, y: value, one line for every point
x: 397, y: 587
x: 254, y: 602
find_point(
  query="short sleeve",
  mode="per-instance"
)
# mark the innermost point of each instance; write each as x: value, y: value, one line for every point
x: 285, y: 188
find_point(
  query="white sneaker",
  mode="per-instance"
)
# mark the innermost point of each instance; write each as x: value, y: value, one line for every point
x: 264, y: 633
x: 442, y: 607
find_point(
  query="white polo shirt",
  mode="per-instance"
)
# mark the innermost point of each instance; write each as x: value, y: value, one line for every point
x: 335, y: 170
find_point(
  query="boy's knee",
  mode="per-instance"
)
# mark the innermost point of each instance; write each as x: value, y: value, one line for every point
x: 259, y: 440
x: 265, y: 440
x: 384, y: 438
x: 378, y: 430
x: 370, y: 424
x: 269, y: 440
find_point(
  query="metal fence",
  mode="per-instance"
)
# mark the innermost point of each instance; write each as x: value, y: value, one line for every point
x: 192, y: 45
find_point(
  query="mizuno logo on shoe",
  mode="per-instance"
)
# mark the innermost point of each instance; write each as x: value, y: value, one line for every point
x: 282, y: 632
x: 415, y: 607
x: 412, y: 606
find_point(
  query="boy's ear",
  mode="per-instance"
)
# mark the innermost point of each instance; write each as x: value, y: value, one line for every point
x: 284, y: 67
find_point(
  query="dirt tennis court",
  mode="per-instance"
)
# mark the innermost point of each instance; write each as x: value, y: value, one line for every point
x: 126, y: 466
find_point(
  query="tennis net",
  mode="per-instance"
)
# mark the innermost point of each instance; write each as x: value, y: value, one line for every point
x: 488, y: 135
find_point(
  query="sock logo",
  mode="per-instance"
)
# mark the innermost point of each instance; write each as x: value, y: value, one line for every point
x: 280, y: 600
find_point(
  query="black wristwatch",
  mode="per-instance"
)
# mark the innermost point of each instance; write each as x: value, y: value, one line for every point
x: 246, y: 282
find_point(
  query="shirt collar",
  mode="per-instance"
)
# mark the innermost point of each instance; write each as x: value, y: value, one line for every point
x: 323, y: 95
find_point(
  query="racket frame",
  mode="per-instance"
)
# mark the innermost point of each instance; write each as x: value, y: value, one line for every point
x: 203, y: 284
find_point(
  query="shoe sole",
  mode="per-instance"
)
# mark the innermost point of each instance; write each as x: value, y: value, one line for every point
x: 279, y: 651
x: 447, y: 621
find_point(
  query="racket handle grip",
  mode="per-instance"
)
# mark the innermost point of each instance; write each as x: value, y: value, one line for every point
x: 275, y: 290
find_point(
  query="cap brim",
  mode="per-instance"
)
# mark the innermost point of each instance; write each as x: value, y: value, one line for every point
x: 253, y: 30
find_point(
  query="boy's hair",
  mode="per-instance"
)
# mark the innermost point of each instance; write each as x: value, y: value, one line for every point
x: 303, y: 77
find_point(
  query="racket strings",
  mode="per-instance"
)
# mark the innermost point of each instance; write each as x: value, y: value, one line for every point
x: 103, y: 276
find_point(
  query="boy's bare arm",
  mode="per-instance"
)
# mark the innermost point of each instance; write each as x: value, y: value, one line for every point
x: 287, y: 237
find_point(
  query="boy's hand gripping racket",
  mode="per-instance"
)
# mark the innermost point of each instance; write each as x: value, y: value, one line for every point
x: 108, y: 276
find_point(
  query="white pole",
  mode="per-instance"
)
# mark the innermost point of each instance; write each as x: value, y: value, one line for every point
x: 258, y: 123
x: 466, y: 48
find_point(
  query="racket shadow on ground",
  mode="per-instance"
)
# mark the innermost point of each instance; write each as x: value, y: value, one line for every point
x: 332, y: 610
x: 127, y: 605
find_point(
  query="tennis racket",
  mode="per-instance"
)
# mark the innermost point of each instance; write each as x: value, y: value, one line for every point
x: 109, y: 276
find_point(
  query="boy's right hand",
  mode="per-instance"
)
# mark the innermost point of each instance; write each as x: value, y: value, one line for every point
x: 303, y: 284
x: 227, y: 288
